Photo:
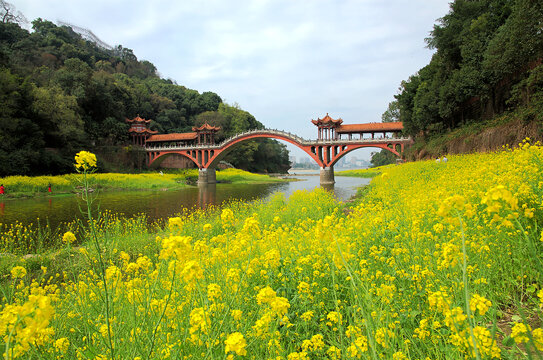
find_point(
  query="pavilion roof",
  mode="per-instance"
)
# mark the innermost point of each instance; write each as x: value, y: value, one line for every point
x: 370, y: 127
x: 173, y: 137
x: 137, y: 119
x: 327, y: 120
x: 148, y: 131
x: 206, y: 126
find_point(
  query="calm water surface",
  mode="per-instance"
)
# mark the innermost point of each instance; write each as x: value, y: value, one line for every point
x: 162, y: 204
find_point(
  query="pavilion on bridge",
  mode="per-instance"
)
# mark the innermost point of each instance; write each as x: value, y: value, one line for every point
x: 142, y: 135
x: 333, y: 129
x: 139, y: 130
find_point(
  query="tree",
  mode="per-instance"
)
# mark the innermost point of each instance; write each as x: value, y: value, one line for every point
x: 59, y: 92
x: 60, y: 113
x: 383, y: 157
x: 10, y: 15
x: 74, y: 78
x: 392, y: 113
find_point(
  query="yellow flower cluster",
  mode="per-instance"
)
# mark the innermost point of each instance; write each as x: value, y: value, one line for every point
x: 308, y: 278
x: 236, y: 343
x: 27, y: 325
x: 68, y: 237
x: 85, y: 161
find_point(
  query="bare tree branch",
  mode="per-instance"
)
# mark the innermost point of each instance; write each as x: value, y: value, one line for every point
x: 9, y: 14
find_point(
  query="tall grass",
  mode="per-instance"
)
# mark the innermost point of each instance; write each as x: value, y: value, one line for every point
x: 440, y: 261
x: 26, y: 185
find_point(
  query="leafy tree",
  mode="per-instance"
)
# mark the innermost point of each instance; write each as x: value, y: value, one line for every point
x: 59, y: 113
x: 392, y: 113
x: 383, y: 157
x: 483, y: 47
x: 60, y: 92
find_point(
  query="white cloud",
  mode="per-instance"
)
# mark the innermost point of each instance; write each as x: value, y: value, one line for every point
x: 284, y: 61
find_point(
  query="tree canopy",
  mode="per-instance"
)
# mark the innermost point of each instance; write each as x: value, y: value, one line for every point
x: 60, y: 93
x: 483, y: 49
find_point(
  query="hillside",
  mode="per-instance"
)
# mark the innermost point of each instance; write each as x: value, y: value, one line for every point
x: 483, y: 87
x: 60, y: 93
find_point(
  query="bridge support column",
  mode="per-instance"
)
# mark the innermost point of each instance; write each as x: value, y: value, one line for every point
x: 207, y: 176
x: 327, y: 175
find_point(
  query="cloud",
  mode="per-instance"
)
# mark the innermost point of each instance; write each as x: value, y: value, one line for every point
x: 284, y: 61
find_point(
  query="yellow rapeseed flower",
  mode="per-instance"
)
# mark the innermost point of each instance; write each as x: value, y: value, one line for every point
x: 68, y: 237
x: 236, y: 342
x: 18, y: 272
x: 85, y: 160
x: 480, y: 303
x: 62, y: 344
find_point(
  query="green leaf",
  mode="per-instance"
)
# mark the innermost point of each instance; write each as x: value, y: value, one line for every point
x: 508, y: 341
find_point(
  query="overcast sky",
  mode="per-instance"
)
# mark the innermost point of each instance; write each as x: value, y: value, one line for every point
x: 284, y: 61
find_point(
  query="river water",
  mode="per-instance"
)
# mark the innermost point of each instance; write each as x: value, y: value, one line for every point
x: 162, y: 204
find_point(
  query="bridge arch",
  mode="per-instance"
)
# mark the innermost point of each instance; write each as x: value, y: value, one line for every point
x: 325, y: 154
x: 156, y: 158
x: 231, y: 143
x: 392, y: 147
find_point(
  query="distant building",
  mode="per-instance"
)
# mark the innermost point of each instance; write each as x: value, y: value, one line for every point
x: 139, y: 130
x: 201, y: 135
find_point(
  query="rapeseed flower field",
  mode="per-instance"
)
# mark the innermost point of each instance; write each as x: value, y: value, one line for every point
x: 436, y: 261
x: 34, y: 185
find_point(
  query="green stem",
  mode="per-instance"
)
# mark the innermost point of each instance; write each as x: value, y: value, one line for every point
x: 466, y: 292
x: 101, y: 262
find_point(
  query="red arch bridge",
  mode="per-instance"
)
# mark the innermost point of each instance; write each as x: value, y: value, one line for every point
x: 325, y: 152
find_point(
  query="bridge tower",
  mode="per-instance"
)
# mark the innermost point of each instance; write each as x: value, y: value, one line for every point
x: 139, y: 130
x: 206, y: 136
x: 327, y: 129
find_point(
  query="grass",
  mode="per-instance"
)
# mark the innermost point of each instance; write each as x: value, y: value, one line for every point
x: 440, y: 261
x: 25, y: 186
x: 363, y: 173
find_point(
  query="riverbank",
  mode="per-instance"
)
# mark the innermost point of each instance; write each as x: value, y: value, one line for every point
x: 364, y: 173
x: 61, y: 185
x: 440, y: 260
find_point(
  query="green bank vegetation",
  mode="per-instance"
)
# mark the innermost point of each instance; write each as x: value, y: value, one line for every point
x: 440, y: 260
x: 484, y: 84
x: 26, y: 186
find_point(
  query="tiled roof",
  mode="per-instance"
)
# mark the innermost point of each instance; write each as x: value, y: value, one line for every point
x: 327, y: 120
x: 137, y: 119
x: 173, y: 137
x: 206, y: 126
x: 132, y: 130
x: 370, y: 127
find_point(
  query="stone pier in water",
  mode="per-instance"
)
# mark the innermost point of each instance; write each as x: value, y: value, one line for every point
x: 327, y: 175
x: 207, y: 176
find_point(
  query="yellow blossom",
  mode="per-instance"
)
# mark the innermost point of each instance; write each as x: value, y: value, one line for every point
x: 236, y: 342
x: 85, y: 160
x: 18, y: 272
x: 68, y: 237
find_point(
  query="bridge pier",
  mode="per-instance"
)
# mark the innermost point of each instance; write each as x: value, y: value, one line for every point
x: 207, y: 176
x: 327, y: 175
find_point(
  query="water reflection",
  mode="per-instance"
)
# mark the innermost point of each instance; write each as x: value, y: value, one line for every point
x: 162, y: 204
x: 207, y: 195
x: 328, y: 187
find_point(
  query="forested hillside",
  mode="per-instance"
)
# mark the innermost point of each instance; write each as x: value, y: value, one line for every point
x: 487, y: 63
x: 60, y: 93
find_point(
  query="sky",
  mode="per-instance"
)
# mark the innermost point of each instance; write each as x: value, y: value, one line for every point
x: 284, y: 61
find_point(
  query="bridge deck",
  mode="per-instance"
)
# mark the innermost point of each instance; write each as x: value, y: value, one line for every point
x: 279, y: 133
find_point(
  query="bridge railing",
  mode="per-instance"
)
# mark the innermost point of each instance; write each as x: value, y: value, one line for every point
x: 289, y: 135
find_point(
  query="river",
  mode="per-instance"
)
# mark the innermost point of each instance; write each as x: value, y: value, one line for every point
x: 162, y: 204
